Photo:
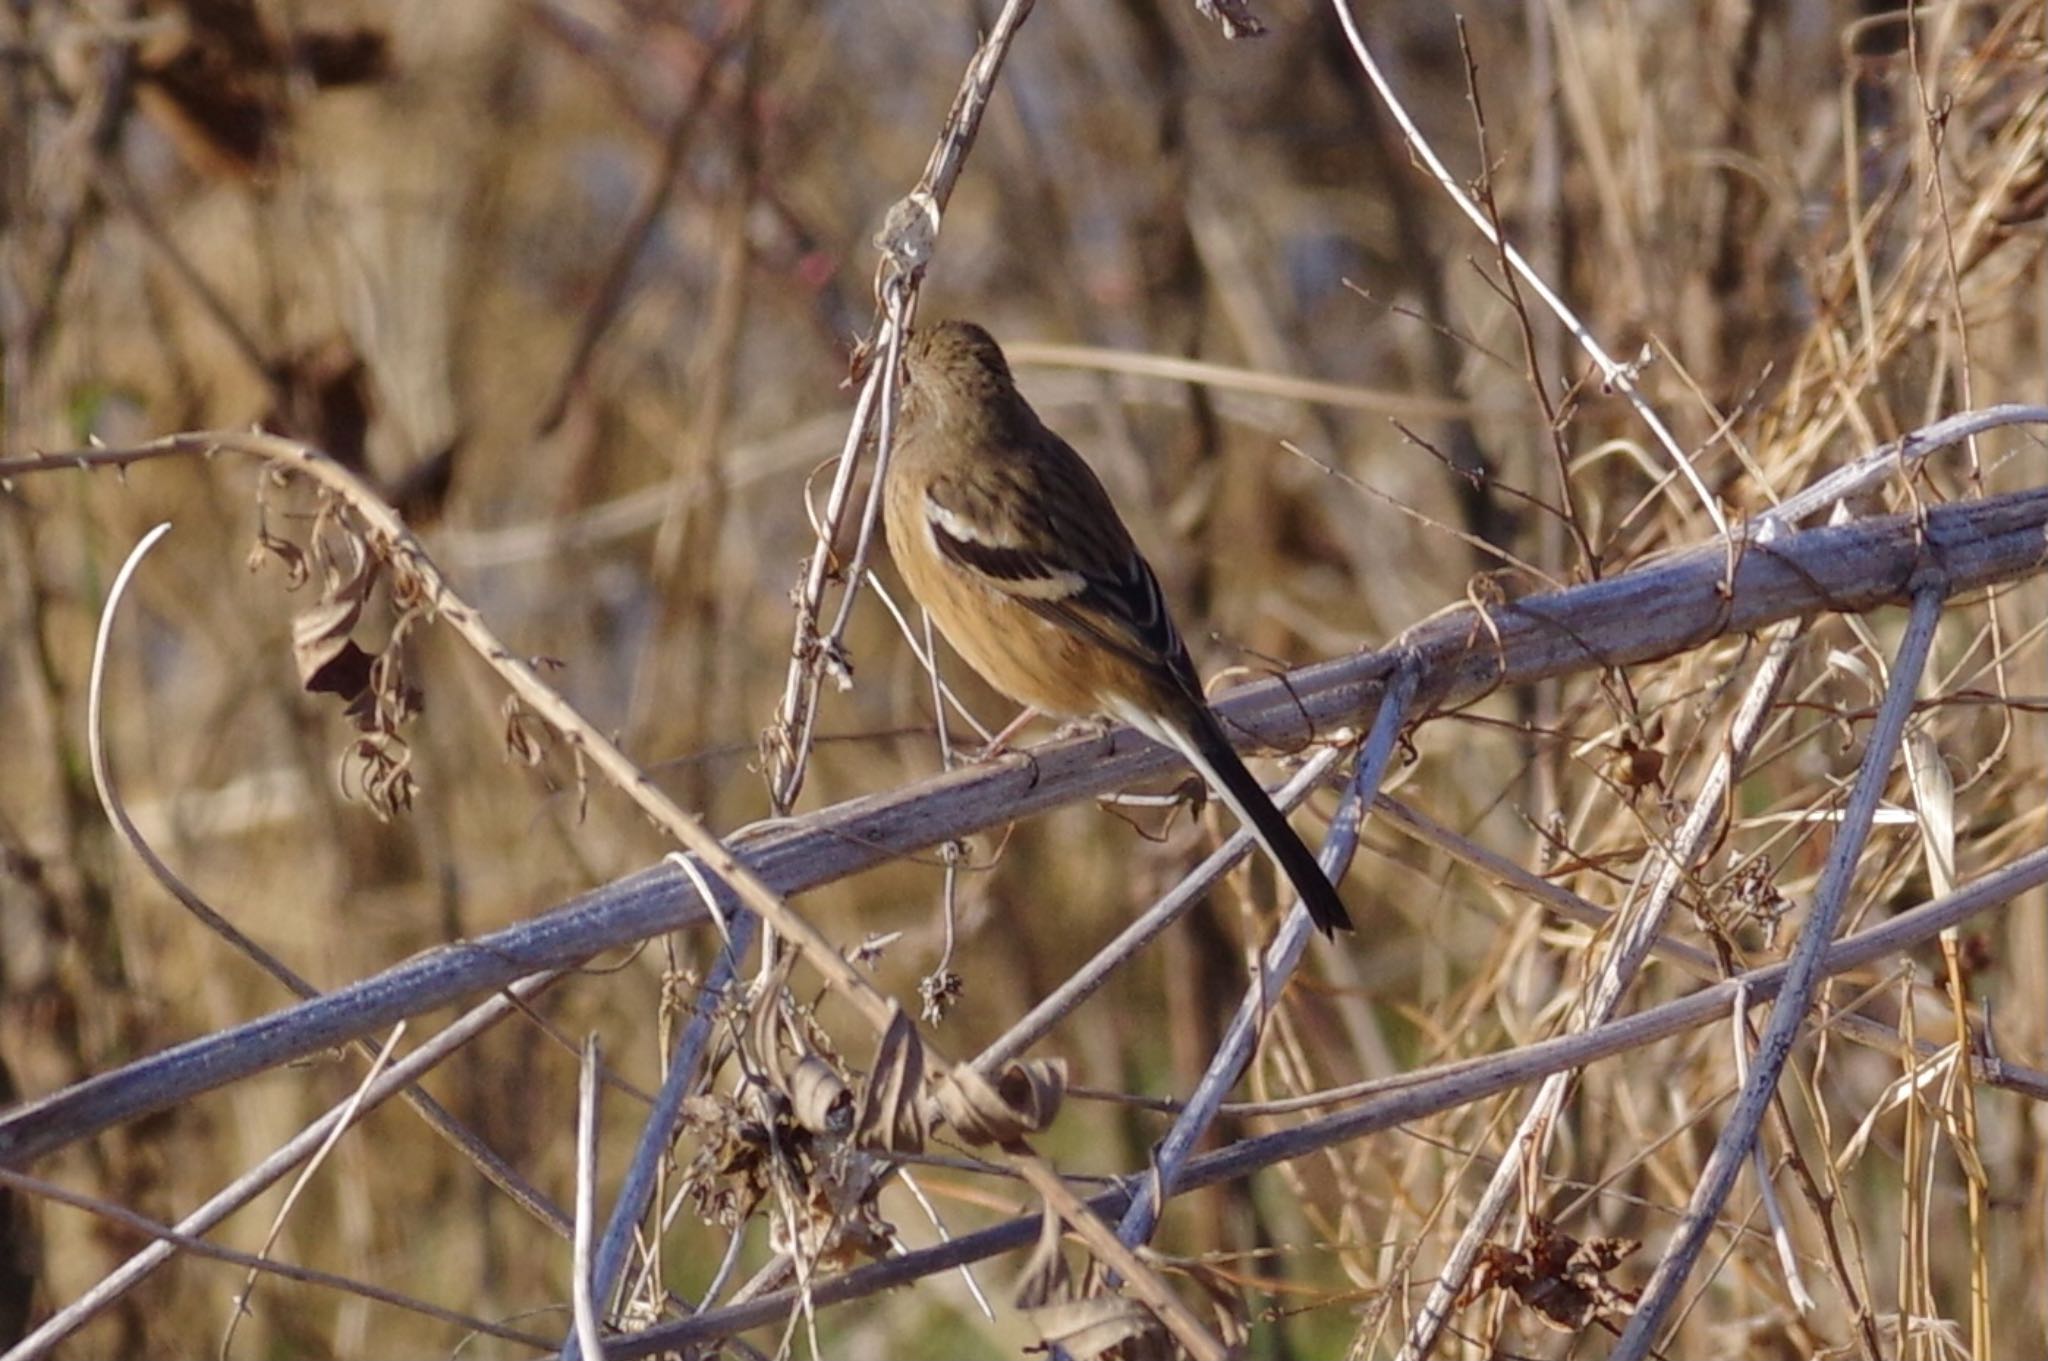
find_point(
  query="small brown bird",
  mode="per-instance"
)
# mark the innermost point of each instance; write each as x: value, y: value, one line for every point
x: 1007, y: 538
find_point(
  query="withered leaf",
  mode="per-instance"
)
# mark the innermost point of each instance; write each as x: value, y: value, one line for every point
x: 1563, y: 1280
x: 1086, y: 1326
x: 1045, y: 1277
x: 728, y: 1175
x: 380, y: 766
x: 833, y: 1214
x: 339, y: 668
x: 1093, y: 1327
x: 329, y: 661
x: 525, y: 732
x: 1024, y: 1099
x: 327, y: 622
x: 892, y: 1099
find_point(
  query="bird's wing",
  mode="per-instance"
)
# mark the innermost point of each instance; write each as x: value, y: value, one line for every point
x: 1044, y: 533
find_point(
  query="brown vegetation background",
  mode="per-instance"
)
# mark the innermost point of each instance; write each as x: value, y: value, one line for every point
x: 575, y: 282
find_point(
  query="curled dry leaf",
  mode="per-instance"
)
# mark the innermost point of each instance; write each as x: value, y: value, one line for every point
x: 780, y: 1145
x: 820, y: 1098
x: 392, y: 701
x: 767, y: 1023
x: 328, y: 658
x: 782, y: 1153
x: 892, y: 1099
x: 1024, y: 1099
x: 783, y: 1036
x: 378, y: 769
x: 372, y: 685
x: 269, y: 545
x: 329, y: 666
x: 524, y: 732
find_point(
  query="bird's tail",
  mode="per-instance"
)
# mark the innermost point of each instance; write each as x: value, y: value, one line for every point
x: 1196, y: 734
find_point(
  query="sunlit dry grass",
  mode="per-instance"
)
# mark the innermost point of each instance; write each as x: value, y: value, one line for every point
x: 574, y: 285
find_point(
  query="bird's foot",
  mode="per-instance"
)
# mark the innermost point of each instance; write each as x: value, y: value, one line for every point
x: 1096, y: 726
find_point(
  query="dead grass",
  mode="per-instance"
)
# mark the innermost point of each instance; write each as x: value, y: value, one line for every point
x: 572, y: 286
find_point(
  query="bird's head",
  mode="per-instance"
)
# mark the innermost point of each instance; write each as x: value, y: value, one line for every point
x: 954, y: 370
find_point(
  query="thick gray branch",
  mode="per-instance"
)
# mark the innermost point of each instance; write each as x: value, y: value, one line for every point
x: 1668, y: 605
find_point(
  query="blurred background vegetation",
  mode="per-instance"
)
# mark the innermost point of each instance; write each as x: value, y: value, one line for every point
x: 575, y: 282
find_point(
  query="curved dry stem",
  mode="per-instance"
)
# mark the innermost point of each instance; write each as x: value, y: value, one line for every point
x: 486, y: 1160
x: 1615, y: 375
x: 117, y: 812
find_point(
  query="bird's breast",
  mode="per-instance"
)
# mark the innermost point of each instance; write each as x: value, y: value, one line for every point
x: 1024, y: 655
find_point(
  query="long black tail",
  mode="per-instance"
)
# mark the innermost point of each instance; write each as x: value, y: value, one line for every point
x: 1200, y: 738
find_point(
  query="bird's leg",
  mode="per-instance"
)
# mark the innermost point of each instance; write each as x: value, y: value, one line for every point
x: 999, y: 745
